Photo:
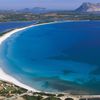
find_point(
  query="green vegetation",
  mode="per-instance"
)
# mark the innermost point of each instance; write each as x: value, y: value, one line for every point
x: 48, y: 17
x: 26, y: 97
x: 52, y: 98
x: 68, y: 99
x: 8, y: 89
x: 60, y: 95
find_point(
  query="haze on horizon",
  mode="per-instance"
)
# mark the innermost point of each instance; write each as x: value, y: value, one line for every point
x: 50, y: 4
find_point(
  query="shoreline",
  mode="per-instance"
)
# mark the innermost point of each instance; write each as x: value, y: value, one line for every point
x: 6, y: 77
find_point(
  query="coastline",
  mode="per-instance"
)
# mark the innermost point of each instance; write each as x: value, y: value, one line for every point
x: 6, y: 77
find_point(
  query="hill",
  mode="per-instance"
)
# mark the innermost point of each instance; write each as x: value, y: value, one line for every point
x: 89, y: 7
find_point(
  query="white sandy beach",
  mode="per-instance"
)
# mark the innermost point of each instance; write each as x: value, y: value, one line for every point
x: 6, y: 77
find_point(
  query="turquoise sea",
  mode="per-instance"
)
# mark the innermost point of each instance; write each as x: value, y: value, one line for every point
x: 58, y: 57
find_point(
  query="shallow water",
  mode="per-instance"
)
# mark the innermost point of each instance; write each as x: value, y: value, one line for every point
x: 56, y: 57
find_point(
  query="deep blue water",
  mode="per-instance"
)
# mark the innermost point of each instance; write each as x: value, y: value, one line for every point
x: 56, y: 57
x: 6, y: 26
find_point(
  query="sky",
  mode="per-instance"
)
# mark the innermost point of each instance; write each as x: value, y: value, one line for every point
x: 51, y: 4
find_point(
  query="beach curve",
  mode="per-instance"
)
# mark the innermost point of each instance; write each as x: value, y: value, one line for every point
x: 8, y: 78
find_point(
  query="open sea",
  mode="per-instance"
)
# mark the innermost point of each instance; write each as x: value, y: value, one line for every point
x: 58, y: 57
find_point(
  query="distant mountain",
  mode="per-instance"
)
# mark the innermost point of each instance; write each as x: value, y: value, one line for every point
x: 89, y: 7
x: 35, y: 10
